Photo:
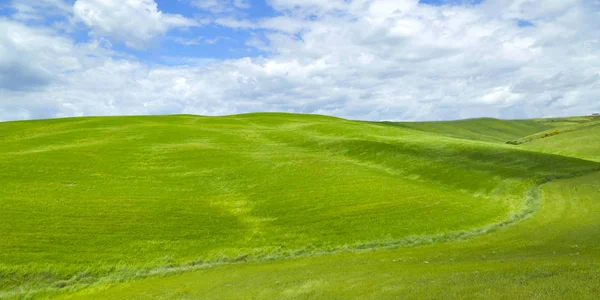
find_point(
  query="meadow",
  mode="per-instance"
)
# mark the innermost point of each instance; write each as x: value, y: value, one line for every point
x: 269, y: 205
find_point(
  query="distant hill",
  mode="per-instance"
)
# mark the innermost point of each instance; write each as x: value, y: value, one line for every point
x: 484, y: 129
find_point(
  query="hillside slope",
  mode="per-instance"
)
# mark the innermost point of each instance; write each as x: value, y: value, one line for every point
x: 484, y: 129
x: 581, y: 141
x: 98, y: 200
x: 553, y: 255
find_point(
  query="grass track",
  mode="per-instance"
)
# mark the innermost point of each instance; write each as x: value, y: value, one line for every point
x: 92, y: 200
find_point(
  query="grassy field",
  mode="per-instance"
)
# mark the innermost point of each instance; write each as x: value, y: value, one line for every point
x: 265, y: 206
x: 484, y: 129
x: 580, y: 141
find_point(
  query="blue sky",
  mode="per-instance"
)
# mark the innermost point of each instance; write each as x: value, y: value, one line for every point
x: 211, y: 41
x: 361, y: 59
x: 219, y: 42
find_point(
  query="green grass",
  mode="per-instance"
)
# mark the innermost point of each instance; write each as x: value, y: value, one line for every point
x: 553, y: 255
x: 294, y: 206
x: 484, y: 129
x: 582, y: 141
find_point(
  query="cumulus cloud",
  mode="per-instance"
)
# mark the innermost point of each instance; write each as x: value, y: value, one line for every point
x: 414, y: 61
x: 31, y: 58
x: 134, y: 22
x: 363, y: 59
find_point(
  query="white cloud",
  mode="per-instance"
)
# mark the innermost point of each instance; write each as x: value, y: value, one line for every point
x: 362, y: 59
x: 244, y: 4
x: 38, y: 10
x: 531, y: 9
x: 221, y: 6
x: 32, y: 57
x: 198, y: 40
x: 134, y: 22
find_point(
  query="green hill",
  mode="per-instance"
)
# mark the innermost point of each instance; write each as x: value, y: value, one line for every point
x: 581, y: 140
x: 553, y: 255
x: 258, y: 201
x: 484, y: 129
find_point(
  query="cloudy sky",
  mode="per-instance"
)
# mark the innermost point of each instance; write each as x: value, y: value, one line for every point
x: 359, y: 59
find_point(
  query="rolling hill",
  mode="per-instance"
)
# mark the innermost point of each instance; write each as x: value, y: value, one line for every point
x: 269, y: 205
